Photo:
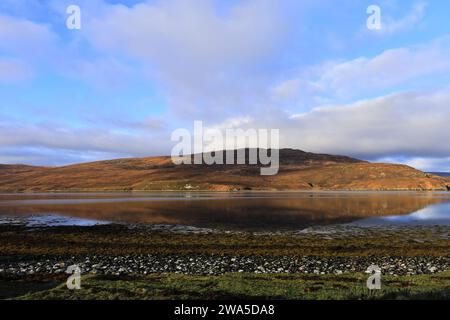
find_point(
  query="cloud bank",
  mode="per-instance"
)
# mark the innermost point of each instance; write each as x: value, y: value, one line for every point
x: 228, y: 64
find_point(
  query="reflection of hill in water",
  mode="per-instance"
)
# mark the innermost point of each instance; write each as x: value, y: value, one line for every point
x: 257, y: 212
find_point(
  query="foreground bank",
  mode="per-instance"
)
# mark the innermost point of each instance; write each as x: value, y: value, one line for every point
x: 153, y: 262
x: 233, y: 286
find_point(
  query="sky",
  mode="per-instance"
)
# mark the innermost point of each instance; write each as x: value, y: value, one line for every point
x: 138, y: 70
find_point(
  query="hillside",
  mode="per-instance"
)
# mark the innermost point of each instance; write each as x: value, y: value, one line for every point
x: 298, y: 171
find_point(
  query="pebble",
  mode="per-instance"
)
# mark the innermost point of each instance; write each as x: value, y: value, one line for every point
x: 219, y: 264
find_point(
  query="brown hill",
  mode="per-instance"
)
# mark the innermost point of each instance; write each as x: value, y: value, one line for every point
x: 298, y: 171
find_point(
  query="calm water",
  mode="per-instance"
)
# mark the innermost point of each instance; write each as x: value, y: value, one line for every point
x: 233, y: 211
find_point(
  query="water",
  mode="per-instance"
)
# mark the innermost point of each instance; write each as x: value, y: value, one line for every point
x: 438, y: 214
x: 269, y: 211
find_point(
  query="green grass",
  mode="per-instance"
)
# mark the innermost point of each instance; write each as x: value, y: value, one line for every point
x: 14, y: 286
x: 249, y: 286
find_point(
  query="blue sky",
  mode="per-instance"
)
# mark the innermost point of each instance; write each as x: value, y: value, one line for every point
x: 137, y: 70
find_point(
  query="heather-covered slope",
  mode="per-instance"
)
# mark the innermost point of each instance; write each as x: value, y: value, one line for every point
x: 298, y: 171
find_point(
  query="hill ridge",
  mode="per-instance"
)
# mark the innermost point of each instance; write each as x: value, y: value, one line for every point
x: 299, y: 170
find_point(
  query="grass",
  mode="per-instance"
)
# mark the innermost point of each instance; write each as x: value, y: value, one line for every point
x: 247, y: 287
x: 14, y: 286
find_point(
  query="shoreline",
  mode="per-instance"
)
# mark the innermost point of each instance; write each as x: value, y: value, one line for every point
x: 20, y: 244
x: 312, y: 190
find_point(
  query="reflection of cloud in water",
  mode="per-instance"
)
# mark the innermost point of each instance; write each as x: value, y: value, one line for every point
x: 56, y: 220
x: 438, y: 214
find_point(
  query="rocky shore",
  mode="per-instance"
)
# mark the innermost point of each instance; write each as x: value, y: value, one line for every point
x: 218, y: 265
x: 161, y: 249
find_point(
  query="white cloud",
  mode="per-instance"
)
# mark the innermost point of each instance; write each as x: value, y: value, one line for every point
x: 22, y: 43
x: 363, y: 75
x: 411, y: 124
x: 391, y: 26
x: 288, y: 89
x: 203, y: 57
x: 430, y: 164
x: 89, y: 140
x: 32, y: 48
x: 25, y: 38
x: 173, y: 33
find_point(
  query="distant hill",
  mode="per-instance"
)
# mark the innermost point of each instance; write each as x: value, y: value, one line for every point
x: 441, y: 174
x: 299, y: 170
